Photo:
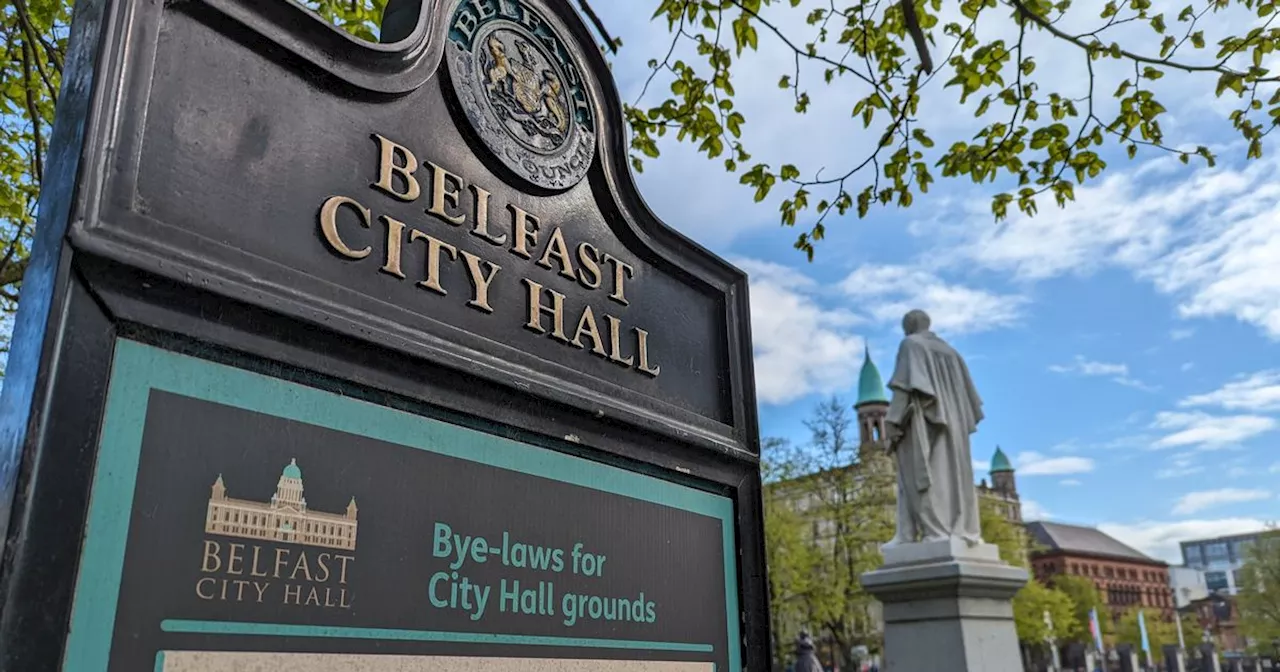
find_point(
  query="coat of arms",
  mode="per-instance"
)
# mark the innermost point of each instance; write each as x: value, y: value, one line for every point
x: 526, y: 91
x: 523, y: 91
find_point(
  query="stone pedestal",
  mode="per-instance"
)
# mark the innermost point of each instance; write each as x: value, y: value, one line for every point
x: 947, y: 607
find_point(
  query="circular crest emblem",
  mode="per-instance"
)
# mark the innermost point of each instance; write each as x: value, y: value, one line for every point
x: 522, y: 91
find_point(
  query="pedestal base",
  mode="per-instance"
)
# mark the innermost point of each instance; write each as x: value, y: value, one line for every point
x: 947, y: 607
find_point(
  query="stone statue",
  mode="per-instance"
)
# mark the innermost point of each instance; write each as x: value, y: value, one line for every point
x: 806, y: 660
x: 934, y: 409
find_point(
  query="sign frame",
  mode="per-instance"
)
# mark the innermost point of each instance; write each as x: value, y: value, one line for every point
x: 104, y: 272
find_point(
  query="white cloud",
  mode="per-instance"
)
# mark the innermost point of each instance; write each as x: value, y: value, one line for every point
x: 1208, y: 432
x: 1128, y: 442
x: 1031, y: 510
x: 1035, y: 464
x: 800, y: 347
x: 889, y: 291
x: 1070, y: 482
x: 1182, y: 464
x: 1119, y: 373
x: 981, y: 466
x: 1112, y: 220
x: 1205, y: 499
x: 1085, y: 367
x: 1227, y: 267
x: 1181, y: 334
x: 1238, y: 472
x: 1159, y: 539
x: 1135, y: 383
x: 1209, y: 238
x: 1257, y: 392
x: 1068, y: 446
x: 1187, y: 366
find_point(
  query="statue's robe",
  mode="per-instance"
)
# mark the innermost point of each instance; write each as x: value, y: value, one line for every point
x: 806, y: 661
x: 934, y: 409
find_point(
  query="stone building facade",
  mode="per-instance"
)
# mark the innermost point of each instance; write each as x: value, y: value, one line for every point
x: 1125, y: 578
x: 1003, y: 490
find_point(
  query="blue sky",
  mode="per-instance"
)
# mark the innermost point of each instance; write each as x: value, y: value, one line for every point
x: 1125, y: 347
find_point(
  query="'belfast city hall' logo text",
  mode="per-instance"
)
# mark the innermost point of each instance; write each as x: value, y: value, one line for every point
x: 277, y: 551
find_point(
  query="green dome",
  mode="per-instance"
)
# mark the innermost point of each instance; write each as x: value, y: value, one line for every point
x: 292, y: 471
x: 870, y: 385
x: 999, y: 462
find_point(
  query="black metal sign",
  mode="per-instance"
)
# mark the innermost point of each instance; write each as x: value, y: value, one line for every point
x: 335, y: 354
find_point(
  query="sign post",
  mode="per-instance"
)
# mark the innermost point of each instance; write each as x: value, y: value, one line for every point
x: 339, y: 355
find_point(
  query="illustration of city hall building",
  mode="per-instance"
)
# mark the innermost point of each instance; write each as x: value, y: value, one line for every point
x: 285, y: 518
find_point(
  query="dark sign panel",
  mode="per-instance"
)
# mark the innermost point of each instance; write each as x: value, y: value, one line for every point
x: 235, y: 512
x: 342, y: 355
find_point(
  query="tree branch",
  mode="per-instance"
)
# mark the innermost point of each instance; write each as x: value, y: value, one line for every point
x: 609, y: 42
x: 1219, y: 67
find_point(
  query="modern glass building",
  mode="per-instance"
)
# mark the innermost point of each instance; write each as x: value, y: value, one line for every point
x: 1220, y: 559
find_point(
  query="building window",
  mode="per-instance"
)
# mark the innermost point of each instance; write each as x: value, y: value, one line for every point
x: 1215, y: 580
x: 1215, y: 552
x: 1236, y: 576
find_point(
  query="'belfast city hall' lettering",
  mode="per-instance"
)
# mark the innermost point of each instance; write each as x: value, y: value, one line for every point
x: 453, y: 202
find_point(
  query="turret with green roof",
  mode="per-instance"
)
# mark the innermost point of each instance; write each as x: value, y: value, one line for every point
x: 872, y: 404
x: 1002, y: 479
x: 1000, y: 462
x: 870, y: 384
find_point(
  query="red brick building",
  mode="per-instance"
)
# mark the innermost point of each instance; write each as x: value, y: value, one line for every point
x: 1125, y: 578
x: 1218, y: 616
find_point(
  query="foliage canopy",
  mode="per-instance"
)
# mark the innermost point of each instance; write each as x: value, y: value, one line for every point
x: 1259, y: 597
x: 35, y: 43
x: 1037, y: 132
x: 828, y: 509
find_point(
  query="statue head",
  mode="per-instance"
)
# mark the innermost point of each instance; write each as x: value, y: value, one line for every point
x: 915, y: 322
